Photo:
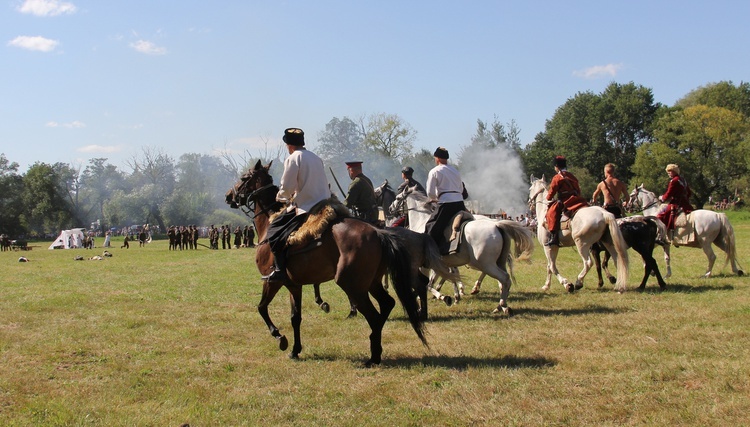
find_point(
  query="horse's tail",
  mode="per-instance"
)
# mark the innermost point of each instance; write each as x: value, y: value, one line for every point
x: 521, y: 236
x: 399, y: 263
x: 621, y: 248
x: 727, y: 239
x: 434, y: 262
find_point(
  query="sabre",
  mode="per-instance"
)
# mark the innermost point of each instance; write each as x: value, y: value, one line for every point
x: 337, y: 182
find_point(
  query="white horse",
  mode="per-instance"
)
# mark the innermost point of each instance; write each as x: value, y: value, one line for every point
x: 588, y: 226
x: 708, y: 227
x: 485, y: 244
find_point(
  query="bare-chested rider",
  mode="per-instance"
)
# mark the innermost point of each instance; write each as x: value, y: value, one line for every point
x: 612, y: 190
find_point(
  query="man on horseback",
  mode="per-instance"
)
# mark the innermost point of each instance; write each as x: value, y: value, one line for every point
x: 444, y: 185
x: 409, y: 182
x: 361, y: 197
x: 677, y: 197
x: 612, y: 190
x: 303, y: 184
x: 565, y: 185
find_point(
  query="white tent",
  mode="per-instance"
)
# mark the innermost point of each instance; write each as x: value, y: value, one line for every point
x: 68, y: 239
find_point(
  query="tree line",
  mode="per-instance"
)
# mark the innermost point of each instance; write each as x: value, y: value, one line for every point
x: 706, y: 132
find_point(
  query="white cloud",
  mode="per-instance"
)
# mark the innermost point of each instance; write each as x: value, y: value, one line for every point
x: 598, y: 71
x: 99, y: 148
x: 72, y: 125
x: 46, y: 7
x: 148, y: 48
x: 37, y: 43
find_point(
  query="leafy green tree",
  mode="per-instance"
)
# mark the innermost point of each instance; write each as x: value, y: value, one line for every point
x: 592, y: 130
x: 710, y: 144
x: 722, y: 94
x: 46, y: 209
x: 389, y: 135
x: 11, y: 206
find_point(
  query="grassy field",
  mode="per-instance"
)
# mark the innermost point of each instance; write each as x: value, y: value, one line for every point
x: 151, y: 337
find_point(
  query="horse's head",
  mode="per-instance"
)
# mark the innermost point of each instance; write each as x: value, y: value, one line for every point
x: 536, y: 190
x: 639, y: 199
x: 251, y: 186
x: 380, y: 189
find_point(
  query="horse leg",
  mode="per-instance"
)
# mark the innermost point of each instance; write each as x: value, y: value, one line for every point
x: 711, y: 258
x: 352, y: 309
x: 270, y: 289
x: 504, y: 282
x: 295, y: 300
x: 319, y: 300
x: 478, y: 284
x: 596, y: 253
x: 374, y: 319
x: 584, y: 250
x: 667, y: 260
x: 422, y: 282
x: 434, y: 290
x: 605, y: 265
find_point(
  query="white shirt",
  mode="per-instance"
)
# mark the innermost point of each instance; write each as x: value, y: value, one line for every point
x: 303, y: 181
x: 444, y: 184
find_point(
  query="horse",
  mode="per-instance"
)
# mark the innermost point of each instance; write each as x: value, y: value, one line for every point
x: 589, y: 225
x: 384, y: 197
x: 640, y: 233
x: 484, y: 246
x: 349, y: 251
x: 707, y: 227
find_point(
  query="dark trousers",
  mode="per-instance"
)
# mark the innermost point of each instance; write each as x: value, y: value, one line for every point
x: 281, y: 228
x: 614, y: 209
x: 441, y: 218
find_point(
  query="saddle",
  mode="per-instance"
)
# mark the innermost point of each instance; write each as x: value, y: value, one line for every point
x: 684, y: 230
x: 458, y: 223
x: 321, y: 216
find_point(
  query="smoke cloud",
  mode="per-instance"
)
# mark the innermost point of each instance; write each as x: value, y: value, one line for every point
x: 495, y: 180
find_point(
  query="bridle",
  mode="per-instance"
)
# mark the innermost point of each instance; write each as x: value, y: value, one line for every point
x: 634, y: 204
x: 254, y: 199
x: 532, y: 199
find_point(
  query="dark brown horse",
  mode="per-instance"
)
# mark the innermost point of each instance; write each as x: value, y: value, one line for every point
x: 350, y: 252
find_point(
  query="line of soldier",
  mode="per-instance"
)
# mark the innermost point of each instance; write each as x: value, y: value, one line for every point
x: 183, y: 237
x: 243, y: 237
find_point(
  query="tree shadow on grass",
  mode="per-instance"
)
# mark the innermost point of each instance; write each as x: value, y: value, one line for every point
x: 462, y: 363
x: 683, y: 288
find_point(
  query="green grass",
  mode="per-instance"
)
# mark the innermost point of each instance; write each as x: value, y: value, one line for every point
x: 156, y: 338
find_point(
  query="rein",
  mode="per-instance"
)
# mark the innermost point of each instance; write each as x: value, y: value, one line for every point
x: 638, y: 202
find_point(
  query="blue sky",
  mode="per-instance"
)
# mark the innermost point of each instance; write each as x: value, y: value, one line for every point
x: 86, y: 79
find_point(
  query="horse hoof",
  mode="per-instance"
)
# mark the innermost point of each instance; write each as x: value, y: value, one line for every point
x: 475, y: 291
x: 294, y: 356
x: 283, y: 343
x: 352, y: 314
x: 448, y: 301
x: 579, y: 285
x: 612, y: 280
x: 740, y: 273
x: 370, y: 363
x: 325, y: 307
x: 570, y: 288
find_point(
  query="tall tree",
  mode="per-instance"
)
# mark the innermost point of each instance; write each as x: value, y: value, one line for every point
x: 46, y: 209
x: 154, y: 177
x: 340, y: 141
x: 710, y: 144
x: 592, y: 130
x: 100, y: 180
x: 388, y: 135
x: 11, y: 206
x: 722, y: 94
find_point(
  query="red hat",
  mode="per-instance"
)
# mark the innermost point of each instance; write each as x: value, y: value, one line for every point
x: 354, y: 164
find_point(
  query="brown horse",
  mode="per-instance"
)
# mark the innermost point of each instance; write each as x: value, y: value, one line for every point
x: 351, y: 252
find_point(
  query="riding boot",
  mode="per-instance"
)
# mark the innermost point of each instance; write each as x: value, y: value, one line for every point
x: 554, y: 239
x: 279, y: 271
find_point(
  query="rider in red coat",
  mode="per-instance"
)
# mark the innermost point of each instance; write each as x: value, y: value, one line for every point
x: 565, y: 185
x: 677, y: 197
